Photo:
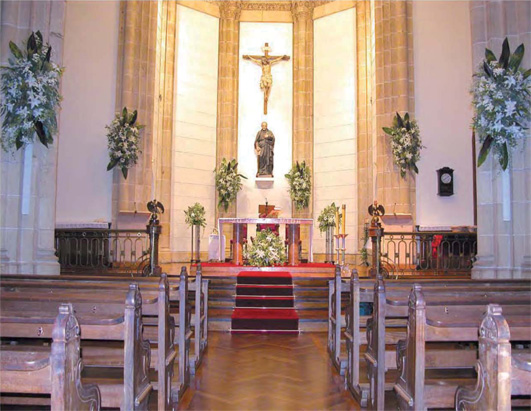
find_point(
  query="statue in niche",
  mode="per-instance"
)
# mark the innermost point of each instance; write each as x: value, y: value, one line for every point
x: 266, y: 61
x: 264, y: 145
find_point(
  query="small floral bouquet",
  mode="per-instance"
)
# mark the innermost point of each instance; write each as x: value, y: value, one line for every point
x: 195, y: 215
x: 228, y: 182
x: 265, y: 250
x: 123, y: 141
x: 502, y: 103
x: 29, y: 88
x: 327, y: 218
x: 405, y: 143
x: 300, y: 185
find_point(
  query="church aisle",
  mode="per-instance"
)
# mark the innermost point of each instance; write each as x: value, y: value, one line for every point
x: 267, y: 372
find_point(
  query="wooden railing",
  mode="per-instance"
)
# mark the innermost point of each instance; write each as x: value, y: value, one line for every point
x: 434, y: 252
x: 102, y: 249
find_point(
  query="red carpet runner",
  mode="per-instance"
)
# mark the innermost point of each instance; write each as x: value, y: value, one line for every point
x: 264, y: 303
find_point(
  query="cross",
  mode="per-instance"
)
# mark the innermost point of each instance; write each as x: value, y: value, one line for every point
x: 266, y: 61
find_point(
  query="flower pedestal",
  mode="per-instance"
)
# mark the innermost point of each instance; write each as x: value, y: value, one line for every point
x: 196, y: 244
x: 294, y: 238
x: 329, y: 253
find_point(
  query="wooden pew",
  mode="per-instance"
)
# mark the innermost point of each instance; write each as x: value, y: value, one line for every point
x: 55, y: 371
x: 500, y: 373
x: 393, y: 305
x: 200, y: 297
x: 438, y: 323
x: 356, y: 332
x: 133, y: 393
x: 336, y: 321
x: 104, y: 300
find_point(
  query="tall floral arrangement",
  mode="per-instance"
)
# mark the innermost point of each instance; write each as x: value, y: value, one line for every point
x: 29, y: 88
x: 123, y: 141
x: 300, y: 185
x: 266, y: 249
x: 228, y: 182
x: 502, y: 103
x: 405, y: 143
x: 327, y: 218
x: 195, y: 215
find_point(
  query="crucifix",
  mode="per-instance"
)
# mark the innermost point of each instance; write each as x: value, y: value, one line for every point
x: 266, y: 61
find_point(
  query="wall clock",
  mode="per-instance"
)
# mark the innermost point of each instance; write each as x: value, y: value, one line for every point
x: 445, y: 181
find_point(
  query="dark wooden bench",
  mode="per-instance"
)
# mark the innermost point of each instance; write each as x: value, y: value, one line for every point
x: 199, y: 288
x: 133, y: 389
x: 453, y: 322
x: 359, y: 329
x: 156, y: 308
x: 502, y: 372
x: 55, y: 371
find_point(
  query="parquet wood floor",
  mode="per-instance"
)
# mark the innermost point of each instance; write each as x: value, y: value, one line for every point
x: 267, y: 372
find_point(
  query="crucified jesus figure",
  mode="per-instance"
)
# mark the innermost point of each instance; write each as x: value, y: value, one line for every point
x: 266, y: 61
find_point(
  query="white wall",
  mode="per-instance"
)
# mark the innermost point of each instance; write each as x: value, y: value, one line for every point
x: 443, y: 75
x: 335, y: 156
x: 84, y: 185
x: 279, y: 117
x: 194, y: 132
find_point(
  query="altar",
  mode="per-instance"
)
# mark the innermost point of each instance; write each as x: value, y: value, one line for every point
x: 292, y: 229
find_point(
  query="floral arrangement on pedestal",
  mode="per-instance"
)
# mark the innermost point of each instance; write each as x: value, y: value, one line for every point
x: 265, y: 250
x: 405, y: 143
x: 29, y: 87
x: 300, y: 185
x: 327, y: 218
x: 228, y: 182
x: 123, y: 141
x: 195, y: 215
x: 502, y: 103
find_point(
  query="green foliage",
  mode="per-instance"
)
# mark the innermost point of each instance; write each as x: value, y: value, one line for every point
x: 228, y: 182
x: 405, y: 143
x: 300, y: 185
x: 327, y: 218
x: 265, y: 250
x: 195, y: 215
x: 123, y: 141
x: 502, y: 103
x: 29, y: 89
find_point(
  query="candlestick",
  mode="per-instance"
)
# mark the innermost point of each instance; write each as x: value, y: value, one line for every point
x: 344, y: 215
x: 337, y: 220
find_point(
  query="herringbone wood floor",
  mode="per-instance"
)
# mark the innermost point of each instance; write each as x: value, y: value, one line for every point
x: 267, y: 372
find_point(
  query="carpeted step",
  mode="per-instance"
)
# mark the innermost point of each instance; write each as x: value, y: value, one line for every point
x: 262, y: 319
x: 264, y: 301
x: 257, y: 277
x: 255, y: 289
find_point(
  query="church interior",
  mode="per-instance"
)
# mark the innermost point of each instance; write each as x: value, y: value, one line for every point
x: 265, y: 205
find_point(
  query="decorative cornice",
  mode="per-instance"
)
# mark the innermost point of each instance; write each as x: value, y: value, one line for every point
x: 230, y: 10
x: 279, y: 5
x: 267, y: 6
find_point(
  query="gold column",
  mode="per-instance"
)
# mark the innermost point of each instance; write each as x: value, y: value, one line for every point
x: 135, y: 87
x: 365, y: 109
x: 227, y: 121
x: 394, y: 93
x: 303, y: 97
x: 163, y: 132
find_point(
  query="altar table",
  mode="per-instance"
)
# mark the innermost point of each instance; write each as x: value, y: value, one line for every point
x: 293, y: 235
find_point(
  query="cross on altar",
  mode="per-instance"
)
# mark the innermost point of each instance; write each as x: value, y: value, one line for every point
x: 266, y: 61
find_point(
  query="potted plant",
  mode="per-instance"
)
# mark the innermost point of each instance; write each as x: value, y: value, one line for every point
x: 265, y: 250
x: 300, y: 185
x: 327, y: 222
x: 195, y: 218
x: 228, y: 182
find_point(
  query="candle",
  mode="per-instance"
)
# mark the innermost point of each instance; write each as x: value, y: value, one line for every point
x: 337, y: 221
x: 344, y: 220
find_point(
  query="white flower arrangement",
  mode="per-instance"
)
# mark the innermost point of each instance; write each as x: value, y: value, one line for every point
x: 502, y: 103
x: 300, y: 185
x: 327, y: 218
x: 405, y: 143
x: 195, y: 215
x: 123, y: 141
x: 265, y: 250
x: 228, y: 182
x: 29, y: 89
